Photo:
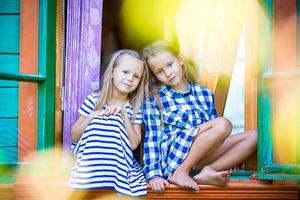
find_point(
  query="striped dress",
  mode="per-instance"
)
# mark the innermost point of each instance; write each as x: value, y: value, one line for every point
x: 104, y: 157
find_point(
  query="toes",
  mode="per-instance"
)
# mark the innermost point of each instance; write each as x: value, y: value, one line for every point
x: 196, y: 190
x: 194, y: 187
x: 227, y: 180
x: 253, y: 176
x: 224, y: 173
x: 191, y: 185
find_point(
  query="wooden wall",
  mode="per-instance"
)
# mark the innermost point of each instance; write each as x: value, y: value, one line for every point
x: 9, y: 90
x: 82, y: 68
x: 59, y: 71
x: 27, y: 124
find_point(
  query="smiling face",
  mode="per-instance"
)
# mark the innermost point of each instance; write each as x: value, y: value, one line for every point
x: 168, y: 69
x: 127, y: 75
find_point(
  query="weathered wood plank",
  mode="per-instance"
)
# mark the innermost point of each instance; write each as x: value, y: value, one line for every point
x: 9, y: 63
x: 8, y: 154
x: 29, y: 15
x: 83, y: 50
x: 59, y: 69
x: 9, y: 131
x: 9, y: 102
x: 234, y: 190
x: 251, y: 75
x: 9, y: 7
x: 9, y: 31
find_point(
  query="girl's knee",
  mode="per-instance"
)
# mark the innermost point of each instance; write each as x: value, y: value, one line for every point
x: 224, y: 126
x: 252, y: 136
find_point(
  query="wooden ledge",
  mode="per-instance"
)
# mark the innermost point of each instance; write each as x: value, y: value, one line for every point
x: 236, y: 189
x: 7, y: 191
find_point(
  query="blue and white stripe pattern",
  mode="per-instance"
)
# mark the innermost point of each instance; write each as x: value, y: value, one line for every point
x: 104, y: 155
x: 167, y: 144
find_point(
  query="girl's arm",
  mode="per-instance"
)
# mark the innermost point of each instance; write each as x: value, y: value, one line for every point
x: 80, y: 125
x: 152, y: 155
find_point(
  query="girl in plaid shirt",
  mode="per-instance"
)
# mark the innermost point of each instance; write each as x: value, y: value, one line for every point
x: 182, y: 130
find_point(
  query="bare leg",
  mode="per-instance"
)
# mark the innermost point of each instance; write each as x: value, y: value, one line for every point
x: 210, y: 136
x: 232, y: 152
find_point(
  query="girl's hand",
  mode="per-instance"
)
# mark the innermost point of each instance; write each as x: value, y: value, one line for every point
x: 114, y: 109
x: 96, y: 113
x: 158, y: 184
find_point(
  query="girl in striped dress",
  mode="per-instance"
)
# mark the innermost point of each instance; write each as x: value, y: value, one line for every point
x: 109, y: 128
x: 182, y: 130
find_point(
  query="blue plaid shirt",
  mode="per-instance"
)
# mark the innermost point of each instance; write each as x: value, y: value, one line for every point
x: 168, y: 143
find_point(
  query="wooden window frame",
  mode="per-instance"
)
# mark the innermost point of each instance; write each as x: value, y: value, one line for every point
x: 45, y: 79
x: 267, y: 169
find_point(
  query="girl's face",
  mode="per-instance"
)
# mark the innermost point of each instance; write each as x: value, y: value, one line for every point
x: 127, y: 74
x: 168, y: 69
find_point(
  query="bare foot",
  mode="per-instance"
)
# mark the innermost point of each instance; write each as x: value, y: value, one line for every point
x: 254, y: 176
x: 182, y: 179
x: 209, y: 176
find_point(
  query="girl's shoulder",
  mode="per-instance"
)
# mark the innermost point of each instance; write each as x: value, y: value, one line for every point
x: 202, y: 90
x: 151, y: 102
x: 95, y: 94
x: 150, y: 99
x: 128, y: 106
x: 93, y: 97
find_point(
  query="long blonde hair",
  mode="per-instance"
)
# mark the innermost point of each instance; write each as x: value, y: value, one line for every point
x: 136, y: 98
x: 162, y: 46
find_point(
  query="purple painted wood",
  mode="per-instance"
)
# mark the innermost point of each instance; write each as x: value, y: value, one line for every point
x: 83, y: 51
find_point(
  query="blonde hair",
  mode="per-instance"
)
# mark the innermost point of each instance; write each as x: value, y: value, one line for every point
x: 162, y: 46
x: 136, y: 98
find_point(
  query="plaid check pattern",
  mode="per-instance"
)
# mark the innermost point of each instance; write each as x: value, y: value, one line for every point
x: 168, y: 143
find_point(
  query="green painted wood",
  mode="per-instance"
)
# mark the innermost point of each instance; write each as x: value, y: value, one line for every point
x: 9, y: 102
x: 298, y: 35
x: 5, y: 83
x: 242, y: 172
x: 266, y: 140
x: 8, y: 172
x: 298, y: 10
x: 46, y: 84
x: 22, y: 77
x: 8, y: 154
x: 264, y: 156
x: 283, y: 169
x: 266, y: 168
x: 9, y: 63
x: 46, y: 63
x: 9, y: 6
x: 8, y: 179
x: 9, y: 32
x: 8, y: 131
